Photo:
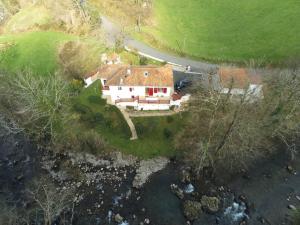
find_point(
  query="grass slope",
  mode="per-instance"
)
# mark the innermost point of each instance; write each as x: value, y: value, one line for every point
x: 36, y: 51
x: 228, y: 30
x: 27, y: 18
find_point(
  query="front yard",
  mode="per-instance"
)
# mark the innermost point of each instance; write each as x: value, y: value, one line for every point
x: 156, y: 134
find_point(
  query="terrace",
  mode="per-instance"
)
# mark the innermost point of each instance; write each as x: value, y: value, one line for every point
x: 143, y: 101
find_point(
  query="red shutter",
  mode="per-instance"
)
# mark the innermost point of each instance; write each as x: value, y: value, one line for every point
x: 165, y: 90
x: 150, y: 91
x: 155, y: 90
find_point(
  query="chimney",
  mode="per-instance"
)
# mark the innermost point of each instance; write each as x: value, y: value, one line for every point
x: 128, y: 71
x: 121, y: 81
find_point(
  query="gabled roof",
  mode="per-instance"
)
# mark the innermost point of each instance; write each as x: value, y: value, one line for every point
x: 238, y: 77
x: 126, y: 75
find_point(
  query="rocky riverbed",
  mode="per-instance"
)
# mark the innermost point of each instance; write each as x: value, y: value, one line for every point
x: 118, y: 189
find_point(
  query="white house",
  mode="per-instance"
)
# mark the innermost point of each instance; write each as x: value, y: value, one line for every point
x: 140, y: 87
x: 238, y: 82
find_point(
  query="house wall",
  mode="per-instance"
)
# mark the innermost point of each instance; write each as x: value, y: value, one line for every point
x: 88, y: 81
x: 136, y: 91
x: 153, y: 107
x: 138, y: 106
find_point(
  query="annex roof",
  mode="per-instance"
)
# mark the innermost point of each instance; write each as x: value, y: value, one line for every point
x: 238, y: 77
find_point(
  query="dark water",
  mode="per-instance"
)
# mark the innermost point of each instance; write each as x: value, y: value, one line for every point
x: 162, y: 206
x: 18, y: 167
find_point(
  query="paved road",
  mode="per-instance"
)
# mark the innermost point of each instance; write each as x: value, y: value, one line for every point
x: 113, y: 32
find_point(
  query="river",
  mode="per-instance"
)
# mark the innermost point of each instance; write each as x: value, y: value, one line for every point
x: 268, y: 189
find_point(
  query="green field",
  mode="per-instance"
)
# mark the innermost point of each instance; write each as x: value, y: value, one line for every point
x: 35, y: 51
x: 227, y: 30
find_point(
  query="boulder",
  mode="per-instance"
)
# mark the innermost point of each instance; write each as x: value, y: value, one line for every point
x: 210, y: 204
x: 192, y: 209
x: 177, y: 191
x: 118, y: 218
x: 185, y: 176
x: 146, y: 168
x: 292, y: 207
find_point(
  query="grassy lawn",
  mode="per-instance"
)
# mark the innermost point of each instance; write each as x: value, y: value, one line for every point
x: 156, y: 134
x: 35, y: 51
x: 227, y: 30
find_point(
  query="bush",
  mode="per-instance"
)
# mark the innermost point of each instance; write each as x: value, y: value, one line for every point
x: 109, y: 108
x: 76, y: 85
x: 108, y: 123
x: 81, y: 108
x: 168, y: 133
x: 140, y: 128
x: 170, y: 119
x: 98, y: 118
x: 95, y: 99
x: 143, y: 60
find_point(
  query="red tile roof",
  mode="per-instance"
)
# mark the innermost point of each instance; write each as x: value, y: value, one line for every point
x: 238, y: 77
x: 126, y: 75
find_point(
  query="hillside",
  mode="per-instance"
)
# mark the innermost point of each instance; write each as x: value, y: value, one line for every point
x: 231, y: 31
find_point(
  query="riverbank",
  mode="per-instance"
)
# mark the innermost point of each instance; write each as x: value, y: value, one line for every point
x: 105, y: 193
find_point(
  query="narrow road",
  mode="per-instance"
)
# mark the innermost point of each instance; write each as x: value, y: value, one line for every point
x: 114, y: 32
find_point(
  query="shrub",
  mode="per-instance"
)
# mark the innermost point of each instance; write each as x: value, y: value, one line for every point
x: 95, y: 99
x: 98, y: 118
x: 108, y: 123
x: 109, y: 108
x: 143, y: 60
x: 140, y: 128
x: 81, y: 108
x: 168, y: 133
x: 170, y: 119
x: 76, y: 85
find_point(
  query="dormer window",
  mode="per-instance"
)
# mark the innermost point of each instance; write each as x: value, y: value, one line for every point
x: 146, y: 73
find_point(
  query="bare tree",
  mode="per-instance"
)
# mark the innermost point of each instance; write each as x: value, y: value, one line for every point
x: 50, y: 201
x: 34, y: 102
x: 232, y: 133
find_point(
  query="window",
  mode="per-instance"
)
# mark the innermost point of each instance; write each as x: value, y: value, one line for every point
x: 130, y: 89
x: 119, y: 88
x: 146, y: 73
x: 104, y: 82
x: 149, y: 91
